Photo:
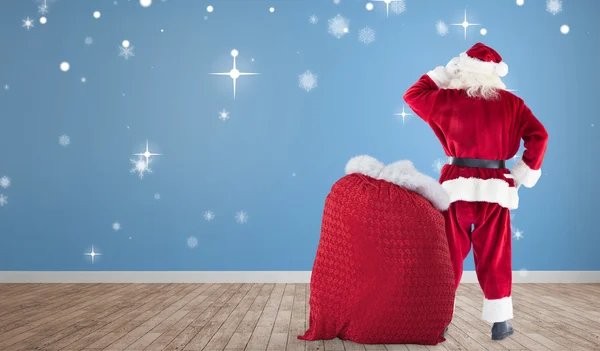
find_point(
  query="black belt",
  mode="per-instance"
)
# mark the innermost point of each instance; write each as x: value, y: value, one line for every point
x: 476, y: 162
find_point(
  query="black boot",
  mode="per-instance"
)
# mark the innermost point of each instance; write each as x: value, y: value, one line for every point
x: 444, y: 333
x: 501, y: 330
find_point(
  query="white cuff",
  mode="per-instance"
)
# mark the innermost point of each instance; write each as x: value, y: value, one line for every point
x: 497, y: 310
x: 439, y: 76
x: 523, y: 175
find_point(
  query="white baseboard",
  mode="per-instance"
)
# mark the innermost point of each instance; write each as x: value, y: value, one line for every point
x: 250, y: 277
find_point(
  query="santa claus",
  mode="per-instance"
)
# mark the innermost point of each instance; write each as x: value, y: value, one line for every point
x: 480, y: 125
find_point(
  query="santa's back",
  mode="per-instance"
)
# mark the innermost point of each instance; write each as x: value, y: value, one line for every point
x: 474, y: 127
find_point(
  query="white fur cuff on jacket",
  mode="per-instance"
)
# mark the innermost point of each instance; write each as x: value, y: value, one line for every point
x: 523, y: 175
x: 439, y: 76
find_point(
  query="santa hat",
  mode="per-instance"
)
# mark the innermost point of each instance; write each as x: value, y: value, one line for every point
x: 480, y: 59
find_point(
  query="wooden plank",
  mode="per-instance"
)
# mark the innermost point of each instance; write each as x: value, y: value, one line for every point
x: 297, y: 322
x: 215, y: 317
x: 136, y: 305
x: 221, y: 338
x: 317, y: 345
x: 243, y: 332
x: 50, y: 324
x: 171, y: 329
x: 279, y: 334
x: 182, y: 339
x: 262, y: 331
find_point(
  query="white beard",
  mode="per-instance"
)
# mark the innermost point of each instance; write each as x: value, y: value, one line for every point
x: 480, y: 85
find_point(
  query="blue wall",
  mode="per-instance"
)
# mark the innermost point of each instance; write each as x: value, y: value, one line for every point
x: 283, y: 147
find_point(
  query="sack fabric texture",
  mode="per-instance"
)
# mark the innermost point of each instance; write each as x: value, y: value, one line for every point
x: 382, y: 272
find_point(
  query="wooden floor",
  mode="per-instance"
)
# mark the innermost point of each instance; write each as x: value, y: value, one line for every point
x: 263, y: 317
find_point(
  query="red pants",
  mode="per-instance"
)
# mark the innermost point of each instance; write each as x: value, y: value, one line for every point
x: 486, y: 226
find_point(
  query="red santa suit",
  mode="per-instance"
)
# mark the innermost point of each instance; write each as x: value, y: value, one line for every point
x: 485, y: 129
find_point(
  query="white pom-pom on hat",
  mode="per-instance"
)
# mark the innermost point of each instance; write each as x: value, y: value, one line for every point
x: 501, y: 69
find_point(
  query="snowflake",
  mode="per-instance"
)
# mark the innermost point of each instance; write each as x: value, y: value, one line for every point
x: 441, y: 28
x: 157, y: 196
x: 337, y: 2
x: 6, y: 87
x: 3, y: 200
x: 28, y: 23
x: 307, y: 81
x: 116, y: 226
x: 126, y: 52
x: 224, y: 115
x: 192, y: 242
x: 43, y: 9
x: 140, y: 166
x: 554, y: 6
x: 366, y: 35
x: 64, y: 140
x: 209, y: 215
x: 338, y: 26
x: 523, y: 272
x: 313, y: 19
x: 518, y: 234
x: 5, y: 182
x: 398, y: 6
x: 88, y: 40
x: 83, y: 79
x: 437, y: 165
x: 241, y: 217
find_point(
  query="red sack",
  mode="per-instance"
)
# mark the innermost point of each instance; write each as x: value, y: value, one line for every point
x: 382, y: 273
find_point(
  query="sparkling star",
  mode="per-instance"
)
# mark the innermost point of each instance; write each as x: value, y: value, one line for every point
x: 126, y: 52
x: 465, y: 24
x: 147, y: 154
x: 92, y: 254
x: 43, y: 9
x: 5, y: 182
x: 518, y: 234
x: 28, y: 23
x: 209, y: 215
x: 438, y: 165
x: 224, y: 115
x: 387, y: 5
x: 403, y: 114
x: 234, y: 73
x: 141, y: 166
x: 241, y: 217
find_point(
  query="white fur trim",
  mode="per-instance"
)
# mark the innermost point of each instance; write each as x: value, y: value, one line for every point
x: 524, y: 175
x: 486, y: 190
x: 439, y: 76
x: 469, y: 64
x: 404, y: 174
x: 499, y: 310
x: 364, y: 164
